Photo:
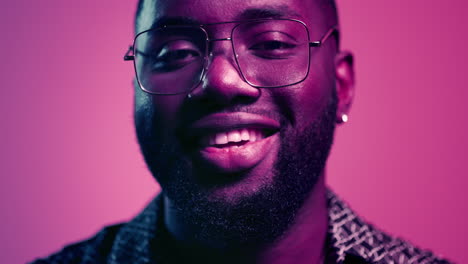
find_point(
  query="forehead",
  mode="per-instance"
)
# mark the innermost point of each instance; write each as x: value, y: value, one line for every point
x: 213, y: 11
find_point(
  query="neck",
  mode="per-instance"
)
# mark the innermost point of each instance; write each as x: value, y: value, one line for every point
x: 303, y: 242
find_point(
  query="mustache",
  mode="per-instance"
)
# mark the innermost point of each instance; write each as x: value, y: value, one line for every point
x: 192, y: 112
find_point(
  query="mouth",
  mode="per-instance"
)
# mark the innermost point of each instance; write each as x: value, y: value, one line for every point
x: 234, y: 138
x: 233, y: 142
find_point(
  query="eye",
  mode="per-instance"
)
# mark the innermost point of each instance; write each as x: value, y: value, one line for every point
x: 272, y: 45
x: 174, y: 55
x: 273, y: 49
x: 174, y: 59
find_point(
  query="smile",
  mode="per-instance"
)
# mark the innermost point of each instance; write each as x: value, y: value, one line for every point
x: 233, y: 142
x: 234, y: 138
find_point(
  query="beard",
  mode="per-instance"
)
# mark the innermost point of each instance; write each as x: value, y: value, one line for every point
x: 254, y: 221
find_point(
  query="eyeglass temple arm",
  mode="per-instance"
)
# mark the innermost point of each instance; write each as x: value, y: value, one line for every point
x: 129, y: 54
x: 327, y: 35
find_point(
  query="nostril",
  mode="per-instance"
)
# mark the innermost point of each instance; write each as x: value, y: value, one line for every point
x: 223, y: 82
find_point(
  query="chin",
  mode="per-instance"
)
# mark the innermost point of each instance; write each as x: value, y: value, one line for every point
x: 251, y: 208
x: 234, y: 192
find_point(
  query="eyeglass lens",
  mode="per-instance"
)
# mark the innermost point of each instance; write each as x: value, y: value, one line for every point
x: 269, y: 53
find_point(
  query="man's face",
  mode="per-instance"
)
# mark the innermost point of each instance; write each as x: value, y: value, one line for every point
x: 191, y: 143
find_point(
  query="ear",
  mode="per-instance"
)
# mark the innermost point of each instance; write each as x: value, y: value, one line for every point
x: 344, y: 72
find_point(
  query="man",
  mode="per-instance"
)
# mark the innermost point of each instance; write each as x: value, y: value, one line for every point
x: 236, y: 104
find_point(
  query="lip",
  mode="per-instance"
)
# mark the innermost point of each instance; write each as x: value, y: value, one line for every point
x: 233, y: 159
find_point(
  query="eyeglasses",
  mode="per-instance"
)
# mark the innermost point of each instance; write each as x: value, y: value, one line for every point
x: 269, y: 53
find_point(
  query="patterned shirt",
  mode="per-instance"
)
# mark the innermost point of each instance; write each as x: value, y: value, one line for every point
x: 143, y: 240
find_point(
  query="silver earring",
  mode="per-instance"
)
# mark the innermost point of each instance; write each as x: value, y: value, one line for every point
x: 189, y: 96
x: 344, y: 118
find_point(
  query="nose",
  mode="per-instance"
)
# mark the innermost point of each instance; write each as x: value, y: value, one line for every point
x: 222, y: 82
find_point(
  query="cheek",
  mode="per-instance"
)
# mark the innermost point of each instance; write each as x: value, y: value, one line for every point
x: 158, y: 111
x: 310, y: 100
x: 166, y: 108
x: 315, y: 93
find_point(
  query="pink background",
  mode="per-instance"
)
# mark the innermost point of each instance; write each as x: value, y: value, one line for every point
x: 70, y: 162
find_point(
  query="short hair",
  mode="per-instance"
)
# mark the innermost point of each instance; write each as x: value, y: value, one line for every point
x: 138, y: 13
x: 325, y: 4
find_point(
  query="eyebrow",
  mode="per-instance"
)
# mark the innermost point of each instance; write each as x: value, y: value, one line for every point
x: 267, y: 11
x: 174, y: 21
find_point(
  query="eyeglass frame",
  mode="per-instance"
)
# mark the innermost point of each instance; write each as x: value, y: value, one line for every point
x: 130, y: 54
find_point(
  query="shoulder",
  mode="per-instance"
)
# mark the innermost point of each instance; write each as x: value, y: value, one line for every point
x: 93, y: 250
x: 352, y: 237
x: 379, y: 247
x: 130, y: 242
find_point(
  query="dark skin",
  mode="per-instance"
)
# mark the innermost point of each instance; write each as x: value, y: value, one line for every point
x: 225, y: 179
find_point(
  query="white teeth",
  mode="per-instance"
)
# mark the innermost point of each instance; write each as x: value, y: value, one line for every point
x: 221, y: 138
x: 234, y: 136
x: 252, y: 135
x: 245, y: 134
